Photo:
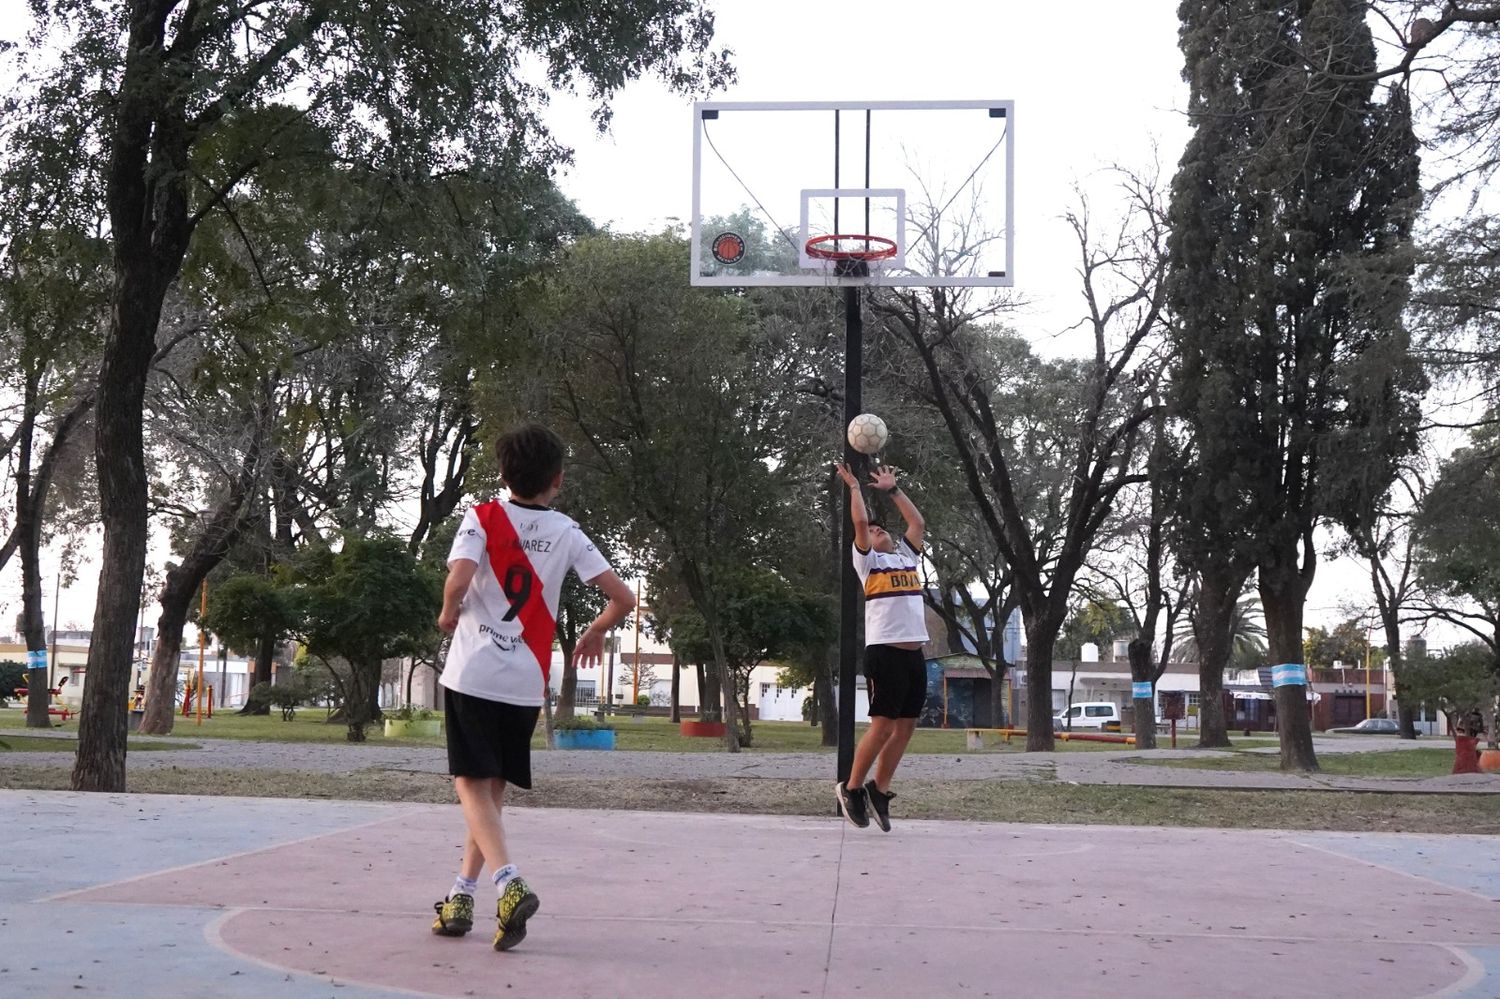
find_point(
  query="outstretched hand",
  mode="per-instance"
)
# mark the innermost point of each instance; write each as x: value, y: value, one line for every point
x: 589, y: 650
x: 883, y: 478
x: 846, y: 475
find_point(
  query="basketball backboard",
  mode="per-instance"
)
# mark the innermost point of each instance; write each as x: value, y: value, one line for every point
x: 931, y: 182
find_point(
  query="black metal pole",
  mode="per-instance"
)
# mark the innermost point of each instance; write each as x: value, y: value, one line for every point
x: 848, y: 591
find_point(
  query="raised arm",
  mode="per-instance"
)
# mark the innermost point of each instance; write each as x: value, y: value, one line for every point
x: 884, y: 479
x: 857, y: 512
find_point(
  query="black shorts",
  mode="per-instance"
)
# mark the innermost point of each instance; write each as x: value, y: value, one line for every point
x: 489, y: 738
x: 897, y: 679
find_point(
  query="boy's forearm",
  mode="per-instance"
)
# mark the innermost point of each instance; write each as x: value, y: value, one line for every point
x: 907, y: 508
x: 460, y: 575
x: 614, y: 613
x: 857, y: 511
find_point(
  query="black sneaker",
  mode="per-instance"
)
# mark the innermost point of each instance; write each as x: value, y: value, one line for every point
x: 880, y: 804
x: 856, y: 808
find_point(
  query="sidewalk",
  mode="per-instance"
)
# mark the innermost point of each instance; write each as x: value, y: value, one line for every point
x: 123, y: 896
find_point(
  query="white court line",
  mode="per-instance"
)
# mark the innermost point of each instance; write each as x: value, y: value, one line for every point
x: 214, y: 860
x: 1391, y: 870
x: 1474, y: 976
x: 213, y: 933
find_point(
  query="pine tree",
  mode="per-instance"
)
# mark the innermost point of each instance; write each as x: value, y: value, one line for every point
x: 1292, y: 212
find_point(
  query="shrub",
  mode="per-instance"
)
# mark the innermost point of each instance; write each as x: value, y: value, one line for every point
x: 12, y: 675
x: 580, y: 723
x: 259, y: 697
x: 287, y: 696
x: 643, y: 700
x: 411, y: 712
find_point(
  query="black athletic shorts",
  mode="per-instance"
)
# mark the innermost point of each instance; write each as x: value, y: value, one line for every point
x: 489, y: 738
x: 897, y: 679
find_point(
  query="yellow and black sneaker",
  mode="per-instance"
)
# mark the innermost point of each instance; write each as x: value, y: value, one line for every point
x: 455, y: 916
x: 517, y: 904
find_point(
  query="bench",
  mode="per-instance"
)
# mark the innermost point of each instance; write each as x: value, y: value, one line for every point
x: 974, y: 737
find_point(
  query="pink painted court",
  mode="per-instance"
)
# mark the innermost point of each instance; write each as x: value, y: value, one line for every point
x: 176, y: 896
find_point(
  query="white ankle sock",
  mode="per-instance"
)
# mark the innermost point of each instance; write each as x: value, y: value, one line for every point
x: 503, y: 876
x: 463, y: 886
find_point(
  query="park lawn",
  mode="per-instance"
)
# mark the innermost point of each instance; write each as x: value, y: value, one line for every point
x: 1433, y: 762
x: 1040, y: 802
x: 648, y: 733
x: 656, y: 734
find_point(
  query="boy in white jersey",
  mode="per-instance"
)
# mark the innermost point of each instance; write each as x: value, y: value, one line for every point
x: 505, y: 572
x: 895, y: 630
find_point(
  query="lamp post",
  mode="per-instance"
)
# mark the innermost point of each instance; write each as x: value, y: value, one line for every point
x: 1367, y: 672
x: 202, y: 645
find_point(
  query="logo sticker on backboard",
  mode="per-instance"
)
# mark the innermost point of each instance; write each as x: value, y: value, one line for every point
x: 729, y: 248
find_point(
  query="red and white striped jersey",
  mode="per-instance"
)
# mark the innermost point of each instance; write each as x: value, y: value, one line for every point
x: 502, y: 647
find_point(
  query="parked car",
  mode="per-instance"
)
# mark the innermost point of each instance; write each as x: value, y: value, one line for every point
x: 1371, y: 726
x: 1087, y: 715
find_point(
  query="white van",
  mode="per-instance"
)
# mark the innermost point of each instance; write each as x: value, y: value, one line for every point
x: 1085, y: 715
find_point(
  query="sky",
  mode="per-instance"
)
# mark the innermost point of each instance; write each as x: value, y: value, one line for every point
x: 1096, y: 82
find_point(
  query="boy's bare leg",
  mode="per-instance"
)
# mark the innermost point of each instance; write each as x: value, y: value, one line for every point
x: 480, y: 798
x: 473, y: 855
x: 875, y: 739
x: 891, y: 753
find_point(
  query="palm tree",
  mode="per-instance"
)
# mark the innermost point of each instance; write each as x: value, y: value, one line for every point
x: 1248, y: 644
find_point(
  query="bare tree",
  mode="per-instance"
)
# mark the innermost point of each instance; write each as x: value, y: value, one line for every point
x: 1107, y: 405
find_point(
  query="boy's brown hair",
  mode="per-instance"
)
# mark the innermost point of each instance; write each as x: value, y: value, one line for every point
x: 530, y: 457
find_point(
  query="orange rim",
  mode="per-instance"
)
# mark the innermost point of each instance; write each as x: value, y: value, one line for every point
x: 885, y: 250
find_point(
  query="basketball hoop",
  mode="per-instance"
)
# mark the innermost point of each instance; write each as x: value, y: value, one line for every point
x: 882, y: 248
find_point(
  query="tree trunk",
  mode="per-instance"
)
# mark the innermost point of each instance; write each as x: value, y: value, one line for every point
x: 548, y: 732
x: 363, y: 679
x: 1212, y: 626
x: 1041, y: 637
x: 120, y: 463
x: 567, y: 693
x: 1395, y: 662
x: 1282, y: 592
x: 828, y: 712
x: 1142, y: 669
x: 33, y: 625
x: 262, y: 674
x: 146, y: 196
x: 728, y: 697
x: 999, y: 713
x: 161, y: 682
x: 706, y: 687
x: 676, y: 689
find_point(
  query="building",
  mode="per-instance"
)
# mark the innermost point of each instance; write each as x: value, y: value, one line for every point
x: 227, y: 674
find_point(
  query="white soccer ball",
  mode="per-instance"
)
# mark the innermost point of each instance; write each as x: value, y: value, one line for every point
x: 867, y: 433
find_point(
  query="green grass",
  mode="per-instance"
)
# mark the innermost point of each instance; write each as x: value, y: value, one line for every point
x: 1388, y: 763
x: 648, y: 733
x: 1042, y: 802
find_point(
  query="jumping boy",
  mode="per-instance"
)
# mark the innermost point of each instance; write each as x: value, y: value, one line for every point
x: 895, y: 630
x: 505, y: 572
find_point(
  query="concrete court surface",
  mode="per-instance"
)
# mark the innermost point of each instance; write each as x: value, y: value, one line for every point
x: 161, y: 896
